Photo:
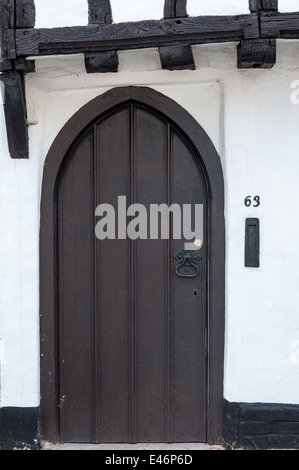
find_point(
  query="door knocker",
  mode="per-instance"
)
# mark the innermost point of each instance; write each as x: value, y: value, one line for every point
x: 187, y: 267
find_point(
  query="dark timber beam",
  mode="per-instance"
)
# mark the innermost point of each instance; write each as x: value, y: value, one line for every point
x: 7, y: 16
x: 101, y: 61
x: 137, y: 35
x: 15, y: 114
x: 24, y: 13
x: 263, y: 5
x: 15, y: 14
x: 175, y: 9
x: 280, y: 25
x: 178, y: 56
x: 99, y: 12
x: 258, y: 53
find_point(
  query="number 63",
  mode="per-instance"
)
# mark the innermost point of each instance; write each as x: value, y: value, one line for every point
x: 248, y: 201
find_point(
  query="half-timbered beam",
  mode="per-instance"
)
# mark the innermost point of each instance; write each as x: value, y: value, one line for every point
x: 15, y: 14
x: 100, y: 61
x: 263, y: 5
x: 15, y: 114
x: 136, y: 35
x: 258, y: 53
x: 178, y: 56
x: 99, y: 12
x: 175, y: 8
x: 24, y: 13
x: 7, y: 16
x: 280, y: 25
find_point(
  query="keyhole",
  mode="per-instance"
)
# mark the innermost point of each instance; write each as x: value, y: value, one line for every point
x: 195, y: 293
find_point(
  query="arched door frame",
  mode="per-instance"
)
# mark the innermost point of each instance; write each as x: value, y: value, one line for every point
x: 210, y: 162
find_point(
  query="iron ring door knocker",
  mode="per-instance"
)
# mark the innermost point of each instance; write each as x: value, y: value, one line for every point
x: 187, y: 267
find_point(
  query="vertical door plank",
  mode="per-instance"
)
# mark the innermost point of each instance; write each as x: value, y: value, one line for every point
x: 151, y: 281
x: 75, y: 230
x: 189, y: 317
x: 112, y: 283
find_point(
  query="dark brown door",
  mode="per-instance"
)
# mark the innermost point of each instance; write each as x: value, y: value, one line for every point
x: 132, y: 334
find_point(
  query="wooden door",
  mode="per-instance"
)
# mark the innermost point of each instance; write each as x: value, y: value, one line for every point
x: 131, y: 333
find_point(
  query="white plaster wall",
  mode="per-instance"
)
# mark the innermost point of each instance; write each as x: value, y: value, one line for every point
x: 19, y: 208
x: 285, y: 6
x: 262, y: 146
x: 254, y: 126
x: 217, y: 7
x: 137, y: 10
x: 59, y: 13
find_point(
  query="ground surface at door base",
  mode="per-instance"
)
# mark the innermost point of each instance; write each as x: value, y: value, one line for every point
x: 110, y: 447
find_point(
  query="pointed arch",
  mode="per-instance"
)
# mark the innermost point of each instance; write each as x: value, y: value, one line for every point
x: 211, y: 165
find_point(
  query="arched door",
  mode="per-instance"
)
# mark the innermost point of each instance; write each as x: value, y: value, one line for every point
x: 131, y: 336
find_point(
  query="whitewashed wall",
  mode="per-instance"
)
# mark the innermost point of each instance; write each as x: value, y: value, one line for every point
x: 285, y: 6
x: 56, y: 13
x: 59, y: 13
x: 217, y: 7
x: 254, y: 126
